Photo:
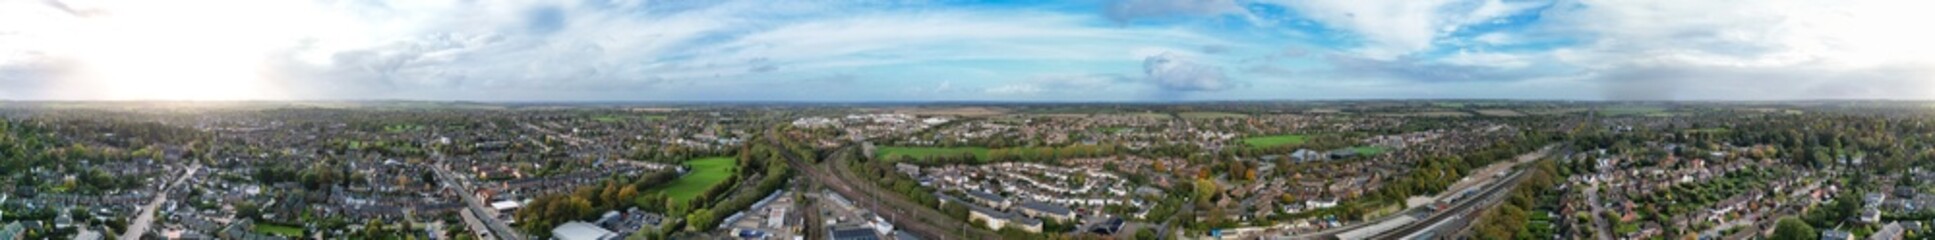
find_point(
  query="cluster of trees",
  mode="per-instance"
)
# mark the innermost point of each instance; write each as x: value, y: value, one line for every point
x: 1436, y: 173
x: 617, y: 192
x: 25, y: 147
x: 1522, y: 216
x: 775, y: 176
x: 1693, y: 196
x: 760, y: 163
x: 884, y: 174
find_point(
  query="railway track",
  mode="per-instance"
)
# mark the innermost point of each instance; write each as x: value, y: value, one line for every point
x: 904, y: 214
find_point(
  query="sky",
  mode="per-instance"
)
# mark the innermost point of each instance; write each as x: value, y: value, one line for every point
x: 1053, y: 51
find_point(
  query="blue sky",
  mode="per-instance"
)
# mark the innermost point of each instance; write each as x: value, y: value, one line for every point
x: 1124, y: 50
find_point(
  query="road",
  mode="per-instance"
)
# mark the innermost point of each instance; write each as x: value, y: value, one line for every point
x: 1599, y: 222
x: 477, y: 227
x: 912, y: 217
x: 1162, y: 232
x: 477, y: 207
x: 147, y: 216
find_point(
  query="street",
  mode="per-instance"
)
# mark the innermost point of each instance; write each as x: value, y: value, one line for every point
x: 147, y: 215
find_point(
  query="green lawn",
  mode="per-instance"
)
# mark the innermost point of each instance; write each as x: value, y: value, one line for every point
x: 705, y: 173
x: 278, y: 230
x: 1370, y: 150
x: 1277, y: 140
x: 924, y: 152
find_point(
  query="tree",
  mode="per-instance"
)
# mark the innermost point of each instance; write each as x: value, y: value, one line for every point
x: 1790, y: 228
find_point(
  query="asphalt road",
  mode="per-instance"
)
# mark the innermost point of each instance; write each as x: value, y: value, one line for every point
x: 484, y: 212
x: 147, y: 217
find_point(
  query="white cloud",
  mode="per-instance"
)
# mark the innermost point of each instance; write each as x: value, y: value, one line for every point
x: 1759, y: 49
x: 1393, y: 28
x: 1173, y: 72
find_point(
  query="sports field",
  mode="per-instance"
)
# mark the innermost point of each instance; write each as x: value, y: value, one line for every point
x: 278, y: 230
x: 705, y: 173
x: 1276, y: 140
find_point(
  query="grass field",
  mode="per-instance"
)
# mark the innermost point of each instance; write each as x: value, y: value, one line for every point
x: 1370, y: 150
x: 1277, y: 140
x: 278, y: 230
x: 705, y: 173
x: 924, y: 152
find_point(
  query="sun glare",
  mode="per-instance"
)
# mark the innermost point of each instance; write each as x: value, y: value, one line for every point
x: 154, y: 50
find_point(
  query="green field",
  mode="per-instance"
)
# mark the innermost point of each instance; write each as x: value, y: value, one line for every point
x: 925, y: 152
x: 705, y: 173
x: 1370, y: 150
x: 1277, y: 140
x: 278, y: 230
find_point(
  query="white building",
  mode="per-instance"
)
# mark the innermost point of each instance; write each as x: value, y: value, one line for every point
x: 576, y: 230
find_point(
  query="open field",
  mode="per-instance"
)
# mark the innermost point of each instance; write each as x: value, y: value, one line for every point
x: 705, y: 173
x: 925, y: 152
x: 1277, y: 140
x: 278, y: 230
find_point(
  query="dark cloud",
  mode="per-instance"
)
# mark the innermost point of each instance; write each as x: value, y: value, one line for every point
x: 1173, y: 73
x: 1123, y: 11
